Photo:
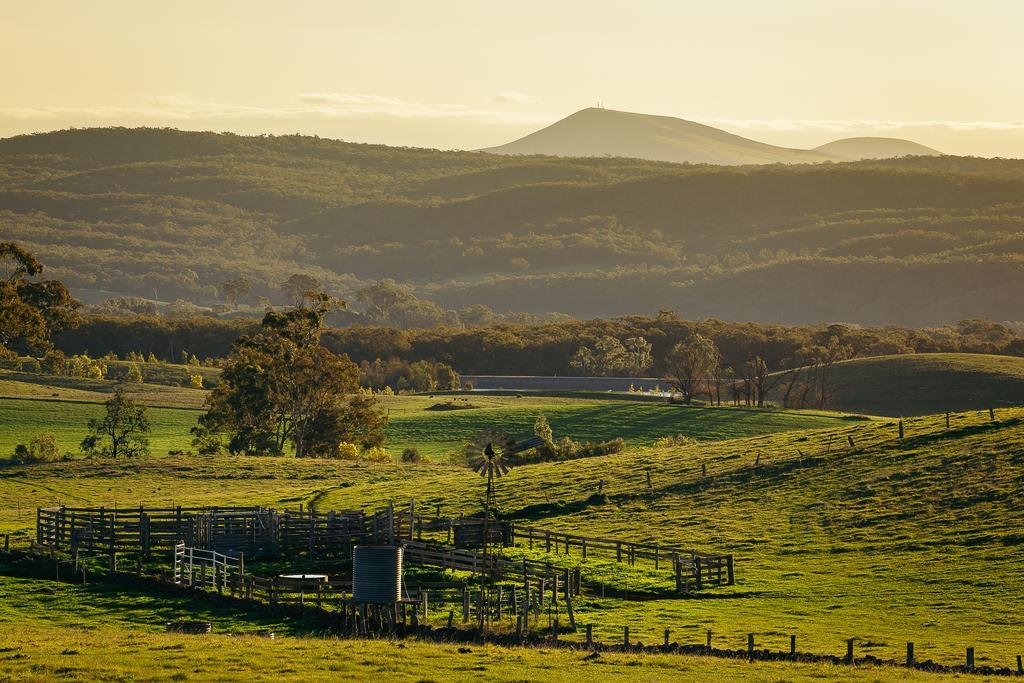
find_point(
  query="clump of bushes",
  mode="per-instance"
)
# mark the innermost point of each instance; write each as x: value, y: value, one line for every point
x: 347, y: 451
x: 566, y: 449
x: 452, y: 405
x: 84, y: 366
x: 9, y: 359
x: 411, y: 455
x: 675, y: 440
x: 41, y: 448
x: 134, y: 374
x: 54, y: 362
x: 378, y: 454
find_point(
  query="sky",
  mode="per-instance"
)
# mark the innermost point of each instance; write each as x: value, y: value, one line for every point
x: 469, y: 74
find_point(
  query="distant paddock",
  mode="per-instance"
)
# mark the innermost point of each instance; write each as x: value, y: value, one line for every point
x: 554, y: 383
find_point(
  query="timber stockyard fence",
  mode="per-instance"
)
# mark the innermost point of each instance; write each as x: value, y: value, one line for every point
x: 534, y: 594
x: 428, y: 539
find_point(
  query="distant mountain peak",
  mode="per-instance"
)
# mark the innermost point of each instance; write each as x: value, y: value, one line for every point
x: 875, y: 148
x: 598, y: 132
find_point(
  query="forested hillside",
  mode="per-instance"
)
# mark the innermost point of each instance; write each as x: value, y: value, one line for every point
x: 171, y: 215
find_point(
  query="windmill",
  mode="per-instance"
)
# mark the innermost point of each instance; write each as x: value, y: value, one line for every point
x: 488, y: 455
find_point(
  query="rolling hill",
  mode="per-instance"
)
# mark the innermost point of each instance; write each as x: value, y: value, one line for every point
x: 888, y: 541
x: 921, y: 384
x: 170, y: 215
x: 855, y: 149
x: 597, y: 132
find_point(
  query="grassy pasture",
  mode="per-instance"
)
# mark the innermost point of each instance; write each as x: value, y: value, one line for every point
x: 887, y: 542
x: 434, y: 433
x: 51, y: 631
x: 928, y: 383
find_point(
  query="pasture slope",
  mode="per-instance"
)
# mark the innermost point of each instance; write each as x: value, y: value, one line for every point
x: 887, y: 541
x: 56, y: 631
x: 31, y: 403
x: 928, y: 383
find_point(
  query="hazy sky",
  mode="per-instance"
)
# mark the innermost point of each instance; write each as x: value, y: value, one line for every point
x: 467, y: 74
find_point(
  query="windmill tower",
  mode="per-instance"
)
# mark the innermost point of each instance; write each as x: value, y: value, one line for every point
x: 486, y: 456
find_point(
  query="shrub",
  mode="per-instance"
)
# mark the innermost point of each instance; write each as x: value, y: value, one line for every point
x: 542, y: 429
x: 8, y: 358
x: 195, y: 381
x: 675, y: 440
x: 30, y: 365
x: 84, y: 366
x: 347, y: 451
x: 457, y: 458
x: 411, y: 455
x: 42, y: 448
x: 55, y: 362
x: 134, y: 374
x: 378, y: 454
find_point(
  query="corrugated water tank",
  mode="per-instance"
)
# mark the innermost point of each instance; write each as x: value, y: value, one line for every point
x: 376, y: 574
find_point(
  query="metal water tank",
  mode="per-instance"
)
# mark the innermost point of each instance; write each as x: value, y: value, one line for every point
x: 376, y: 574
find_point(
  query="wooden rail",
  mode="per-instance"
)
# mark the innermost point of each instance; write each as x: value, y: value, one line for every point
x: 258, y: 531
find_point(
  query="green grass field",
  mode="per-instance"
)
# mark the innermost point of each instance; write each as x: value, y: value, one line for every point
x: 928, y: 383
x: 886, y: 542
x: 434, y: 433
x: 56, y: 631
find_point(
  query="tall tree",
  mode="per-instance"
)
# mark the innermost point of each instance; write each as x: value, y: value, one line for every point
x: 764, y: 381
x: 381, y: 299
x: 236, y: 289
x: 31, y: 310
x: 639, y: 355
x: 121, y: 432
x: 299, y: 288
x: 281, y: 387
x: 689, y: 365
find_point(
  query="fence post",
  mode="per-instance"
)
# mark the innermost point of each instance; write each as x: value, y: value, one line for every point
x: 698, y: 571
x: 709, y: 641
x: 554, y: 632
x: 792, y: 646
x: 465, y: 604
x: 667, y: 632
x: 728, y: 566
x: 900, y: 427
x: 947, y: 419
x: 590, y: 639
x: 849, y: 651
x: 1020, y: 666
x: 625, y: 636
x: 568, y: 600
x: 970, y: 659
x: 750, y: 645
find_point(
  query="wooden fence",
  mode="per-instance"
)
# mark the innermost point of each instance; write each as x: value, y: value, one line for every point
x: 258, y: 531
x: 202, y: 568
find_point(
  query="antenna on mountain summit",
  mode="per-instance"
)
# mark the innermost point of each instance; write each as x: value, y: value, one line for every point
x: 599, y: 105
